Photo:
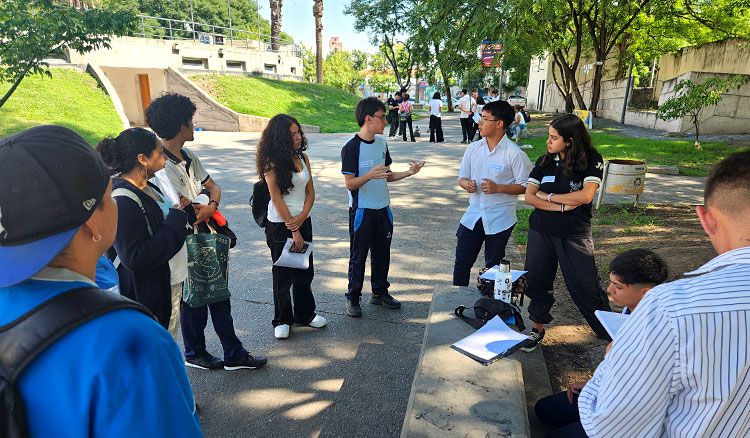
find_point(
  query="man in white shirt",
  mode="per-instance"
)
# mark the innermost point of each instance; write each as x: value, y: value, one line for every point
x: 680, y: 365
x: 495, y: 171
x: 465, y: 106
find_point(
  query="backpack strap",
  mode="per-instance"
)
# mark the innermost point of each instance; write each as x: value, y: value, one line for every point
x: 474, y: 322
x: 23, y: 339
x: 122, y: 191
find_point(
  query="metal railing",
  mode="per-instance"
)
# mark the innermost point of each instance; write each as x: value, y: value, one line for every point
x: 170, y: 29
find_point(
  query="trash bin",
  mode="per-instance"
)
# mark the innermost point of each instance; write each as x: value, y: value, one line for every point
x: 623, y: 177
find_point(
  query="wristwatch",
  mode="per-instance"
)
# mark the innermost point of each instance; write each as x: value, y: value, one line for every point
x: 215, y: 202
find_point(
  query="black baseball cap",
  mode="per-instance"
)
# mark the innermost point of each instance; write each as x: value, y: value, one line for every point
x: 51, y: 181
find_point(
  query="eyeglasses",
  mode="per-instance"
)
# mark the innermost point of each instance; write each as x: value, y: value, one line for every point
x: 380, y: 117
x: 488, y: 120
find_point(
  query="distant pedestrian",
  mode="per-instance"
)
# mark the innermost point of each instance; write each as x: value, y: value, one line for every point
x: 365, y: 163
x: 436, y: 122
x: 405, y: 115
x: 284, y: 166
x: 393, y: 120
x: 480, y: 107
x: 465, y: 106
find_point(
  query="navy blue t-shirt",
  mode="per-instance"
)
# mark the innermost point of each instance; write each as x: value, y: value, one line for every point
x: 357, y: 158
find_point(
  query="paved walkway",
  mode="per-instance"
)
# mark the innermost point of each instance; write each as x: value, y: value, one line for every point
x: 353, y: 377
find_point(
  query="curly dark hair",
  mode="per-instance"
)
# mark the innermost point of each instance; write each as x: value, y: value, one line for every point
x: 276, y: 151
x: 572, y: 130
x: 168, y: 114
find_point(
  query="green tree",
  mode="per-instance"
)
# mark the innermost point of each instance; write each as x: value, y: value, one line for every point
x: 360, y: 59
x: 338, y: 71
x: 308, y: 64
x: 32, y: 30
x: 691, y: 98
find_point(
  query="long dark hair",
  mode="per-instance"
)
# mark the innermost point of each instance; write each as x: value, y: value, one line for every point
x: 120, y: 154
x: 571, y: 129
x: 276, y: 151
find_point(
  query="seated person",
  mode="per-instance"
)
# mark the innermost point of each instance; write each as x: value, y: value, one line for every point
x: 631, y: 274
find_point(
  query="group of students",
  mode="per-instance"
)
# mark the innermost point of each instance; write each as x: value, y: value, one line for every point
x: 668, y: 371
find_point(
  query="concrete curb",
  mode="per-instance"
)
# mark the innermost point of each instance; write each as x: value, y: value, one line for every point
x: 453, y: 395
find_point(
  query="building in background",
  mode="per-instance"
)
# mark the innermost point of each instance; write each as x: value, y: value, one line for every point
x: 336, y: 45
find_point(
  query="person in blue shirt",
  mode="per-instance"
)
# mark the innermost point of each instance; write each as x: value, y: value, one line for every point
x: 119, y: 374
x: 365, y: 163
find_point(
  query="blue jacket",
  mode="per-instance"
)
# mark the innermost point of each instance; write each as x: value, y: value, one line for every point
x: 120, y: 374
x: 144, y: 268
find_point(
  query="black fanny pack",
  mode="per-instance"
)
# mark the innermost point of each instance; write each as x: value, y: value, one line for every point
x: 487, y: 308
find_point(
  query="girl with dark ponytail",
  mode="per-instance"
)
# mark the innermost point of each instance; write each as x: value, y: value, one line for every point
x: 561, y: 187
x: 286, y: 169
x: 150, y: 230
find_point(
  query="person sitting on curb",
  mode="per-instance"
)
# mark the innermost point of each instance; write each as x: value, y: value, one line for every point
x: 631, y: 274
x: 680, y: 365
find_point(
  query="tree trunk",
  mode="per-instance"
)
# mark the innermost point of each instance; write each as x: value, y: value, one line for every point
x: 16, y: 84
x: 275, y: 23
x: 318, y: 14
x: 596, y: 88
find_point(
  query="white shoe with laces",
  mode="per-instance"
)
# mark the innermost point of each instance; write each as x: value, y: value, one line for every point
x: 318, y: 322
x: 281, y: 331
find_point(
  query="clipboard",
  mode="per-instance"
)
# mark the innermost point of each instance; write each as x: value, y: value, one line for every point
x: 494, y: 341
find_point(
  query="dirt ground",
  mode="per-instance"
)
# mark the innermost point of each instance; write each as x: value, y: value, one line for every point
x: 570, y: 348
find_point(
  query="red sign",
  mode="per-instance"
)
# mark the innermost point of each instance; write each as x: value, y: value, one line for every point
x: 491, y: 52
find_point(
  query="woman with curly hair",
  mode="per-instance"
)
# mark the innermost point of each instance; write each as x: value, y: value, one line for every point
x: 286, y: 170
x: 560, y: 188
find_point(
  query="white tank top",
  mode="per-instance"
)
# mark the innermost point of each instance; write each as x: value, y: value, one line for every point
x: 295, y: 199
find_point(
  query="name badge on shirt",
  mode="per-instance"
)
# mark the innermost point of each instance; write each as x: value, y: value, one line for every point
x: 548, y: 179
x: 498, y: 167
x: 367, y: 163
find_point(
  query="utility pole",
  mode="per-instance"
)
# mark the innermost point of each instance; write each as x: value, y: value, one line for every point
x: 192, y: 20
x: 229, y: 9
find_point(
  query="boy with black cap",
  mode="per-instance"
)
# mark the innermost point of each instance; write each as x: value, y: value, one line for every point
x: 115, y: 374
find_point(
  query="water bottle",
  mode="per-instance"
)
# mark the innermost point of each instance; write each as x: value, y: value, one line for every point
x: 503, y: 282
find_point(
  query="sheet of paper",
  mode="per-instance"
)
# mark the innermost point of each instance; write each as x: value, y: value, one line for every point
x: 490, y: 274
x: 490, y: 342
x: 165, y: 185
x: 612, y: 321
x: 477, y: 118
x: 290, y: 259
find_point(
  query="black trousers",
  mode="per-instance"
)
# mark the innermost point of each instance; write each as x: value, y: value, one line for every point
x: 284, y: 279
x: 576, y: 258
x: 467, y: 249
x: 369, y: 231
x: 394, y: 124
x: 558, y: 412
x: 403, y: 128
x: 474, y: 129
x: 466, y: 125
x: 436, y: 129
x: 193, y: 324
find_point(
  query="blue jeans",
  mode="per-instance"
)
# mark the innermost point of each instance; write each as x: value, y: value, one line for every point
x: 558, y: 412
x: 468, y: 246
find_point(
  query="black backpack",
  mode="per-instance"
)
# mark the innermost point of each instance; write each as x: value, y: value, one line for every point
x: 22, y: 340
x: 487, y: 308
x: 259, y: 203
x: 526, y: 116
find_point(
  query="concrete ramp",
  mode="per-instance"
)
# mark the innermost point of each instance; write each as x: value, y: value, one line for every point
x: 133, y: 88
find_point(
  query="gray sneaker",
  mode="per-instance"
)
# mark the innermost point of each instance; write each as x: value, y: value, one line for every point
x: 352, y: 307
x: 535, y: 339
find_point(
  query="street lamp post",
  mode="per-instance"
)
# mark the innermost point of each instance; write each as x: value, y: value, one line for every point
x: 192, y: 20
x: 229, y: 9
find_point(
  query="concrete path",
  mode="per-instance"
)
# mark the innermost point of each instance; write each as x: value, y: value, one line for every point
x: 353, y: 377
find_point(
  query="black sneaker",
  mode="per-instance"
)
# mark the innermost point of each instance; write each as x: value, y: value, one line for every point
x: 535, y: 339
x: 205, y: 361
x: 386, y: 301
x: 248, y: 362
x: 352, y: 307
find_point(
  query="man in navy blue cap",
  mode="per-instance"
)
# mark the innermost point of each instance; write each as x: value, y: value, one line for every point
x: 117, y: 374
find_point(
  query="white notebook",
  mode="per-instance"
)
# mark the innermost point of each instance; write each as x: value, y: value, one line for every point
x: 612, y: 321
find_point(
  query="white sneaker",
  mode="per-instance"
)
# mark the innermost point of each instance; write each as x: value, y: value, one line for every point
x: 318, y: 322
x: 281, y: 331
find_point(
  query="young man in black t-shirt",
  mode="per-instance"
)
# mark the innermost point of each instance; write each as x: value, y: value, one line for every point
x: 393, y: 105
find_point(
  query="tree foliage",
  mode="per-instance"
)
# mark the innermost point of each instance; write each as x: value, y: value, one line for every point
x: 692, y: 97
x: 338, y: 71
x: 33, y: 30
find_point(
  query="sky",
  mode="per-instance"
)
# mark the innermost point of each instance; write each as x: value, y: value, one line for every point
x: 297, y: 20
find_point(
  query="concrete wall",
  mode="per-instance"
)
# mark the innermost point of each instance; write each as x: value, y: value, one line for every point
x: 125, y: 81
x: 99, y: 75
x: 537, y: 74
x: 160, y: 54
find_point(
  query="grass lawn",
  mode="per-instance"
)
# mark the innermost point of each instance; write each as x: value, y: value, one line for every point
x: 312, y: 104
x: 70, y: 99
x: 690, y: 161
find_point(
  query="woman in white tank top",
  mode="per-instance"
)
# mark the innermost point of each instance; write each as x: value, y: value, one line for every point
x: 286, y: 169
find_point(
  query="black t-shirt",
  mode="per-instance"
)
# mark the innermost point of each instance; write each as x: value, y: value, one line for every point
x: 392, y: 102
x: 576, y: 223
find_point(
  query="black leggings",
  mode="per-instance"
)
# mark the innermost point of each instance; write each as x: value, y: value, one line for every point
x: 403, y: 127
